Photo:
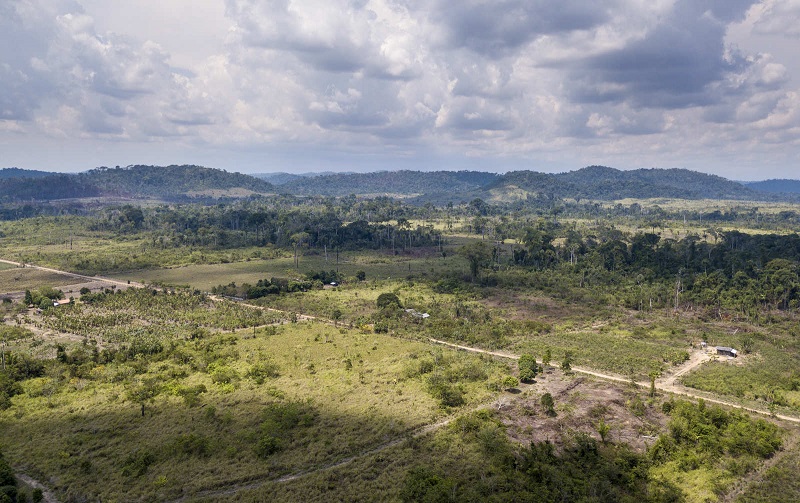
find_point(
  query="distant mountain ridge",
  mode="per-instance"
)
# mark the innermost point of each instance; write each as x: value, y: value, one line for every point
x: 193, y: 183
x: 170, y: 183
x: 167, y: 181
x: 592, y: 182
x: 390, y: 182
x: 281, y: 177
x: 6, y: 173
x: 777, y: 185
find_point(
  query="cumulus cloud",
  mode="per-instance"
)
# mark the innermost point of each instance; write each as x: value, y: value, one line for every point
x: 673, y: 65
x: 498, y: 28
x: 778, y: 17
x: 486, y: 78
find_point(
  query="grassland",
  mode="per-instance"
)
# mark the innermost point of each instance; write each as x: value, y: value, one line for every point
x: 19, y: 279
x: 353, y: 390
x: 376, y: 265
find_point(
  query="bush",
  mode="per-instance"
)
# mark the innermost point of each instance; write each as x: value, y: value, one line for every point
x: 510, y: 382
x: 261, y: 371
x: 449, y: 395
x: 281, y: 420
x: 191, y: 445
x: 422, y: 484
x: 137, y: 463
x: 388, y: 300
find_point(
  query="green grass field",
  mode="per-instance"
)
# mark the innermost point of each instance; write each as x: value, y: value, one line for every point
x: 353, y: 391
x: 376, y: 265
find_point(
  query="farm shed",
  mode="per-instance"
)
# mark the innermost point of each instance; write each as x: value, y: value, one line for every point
x: 726, y: 351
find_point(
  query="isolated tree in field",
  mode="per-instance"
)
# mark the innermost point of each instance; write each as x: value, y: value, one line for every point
x: 144, y: 391
x: 527, y: 367
x: 548, y: 404
x: 653, y: 375
x: 478, y: 254
x: 548, y: 355
x: 297, y: 241
x: 566, y: 364
x: 603, y: 430
x: 388, y: 300
x: 336, y: 314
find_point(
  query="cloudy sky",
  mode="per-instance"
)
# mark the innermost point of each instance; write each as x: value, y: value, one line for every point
x: 364, y: 85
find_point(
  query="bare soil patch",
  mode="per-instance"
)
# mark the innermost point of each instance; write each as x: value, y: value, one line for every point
x: 580, y: 405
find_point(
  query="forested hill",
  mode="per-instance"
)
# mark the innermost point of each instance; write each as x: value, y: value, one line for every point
x: 593, y: 182
x: 776, y: 186
x: 168, y: 183
x: 603, y: 183
x: 7, y: 173
x: 600, y: 182
x: 281, y: 178
x: 188, y: 183
x: 390, y: 183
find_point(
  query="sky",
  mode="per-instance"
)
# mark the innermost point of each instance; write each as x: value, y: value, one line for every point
x: 364, y: 85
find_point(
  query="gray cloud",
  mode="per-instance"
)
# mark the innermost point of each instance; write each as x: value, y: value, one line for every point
x: 673, y: 66
x: 498, y: 28
x: 624, y: 81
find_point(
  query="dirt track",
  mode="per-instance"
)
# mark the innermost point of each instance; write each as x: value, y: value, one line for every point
x: 667, y: 384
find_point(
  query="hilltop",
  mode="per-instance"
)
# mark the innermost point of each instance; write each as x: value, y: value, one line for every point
x: 189, y: 182
x: 406, y: 183
x: 7, y: 173
x: 779, y: 186
x: 167, y: 183
x: 593, y: 182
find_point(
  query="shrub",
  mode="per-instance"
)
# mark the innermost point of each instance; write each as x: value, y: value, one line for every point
x: 137, y: 463
x: 191, y: 445
x: 388, y: 300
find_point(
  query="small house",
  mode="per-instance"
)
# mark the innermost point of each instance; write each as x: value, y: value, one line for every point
x: 726, y: 351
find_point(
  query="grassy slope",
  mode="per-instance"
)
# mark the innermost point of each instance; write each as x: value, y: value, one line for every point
x: 82, y: 436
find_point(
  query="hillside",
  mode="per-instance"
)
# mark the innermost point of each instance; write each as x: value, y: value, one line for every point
x: 188, y: 182
x: 171, y: 181
x: 151, y: 182
x: 593, y: 182
x: 390, y: 182
x: 7, y: 173
x: 47, y: 188
x: 599, y: 182
x: 282, y: 178
x: 604, y: 183
x: 778, y: 186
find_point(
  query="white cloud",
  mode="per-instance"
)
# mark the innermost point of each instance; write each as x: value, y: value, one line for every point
x: 778, y: 17
x: 629, y: 81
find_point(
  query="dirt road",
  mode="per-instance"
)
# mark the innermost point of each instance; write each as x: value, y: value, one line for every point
x: 74, y: 275
x: 667, y: 384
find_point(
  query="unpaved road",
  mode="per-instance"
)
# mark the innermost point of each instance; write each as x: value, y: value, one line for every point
x: 667, y: 384
x: 74, y: 275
